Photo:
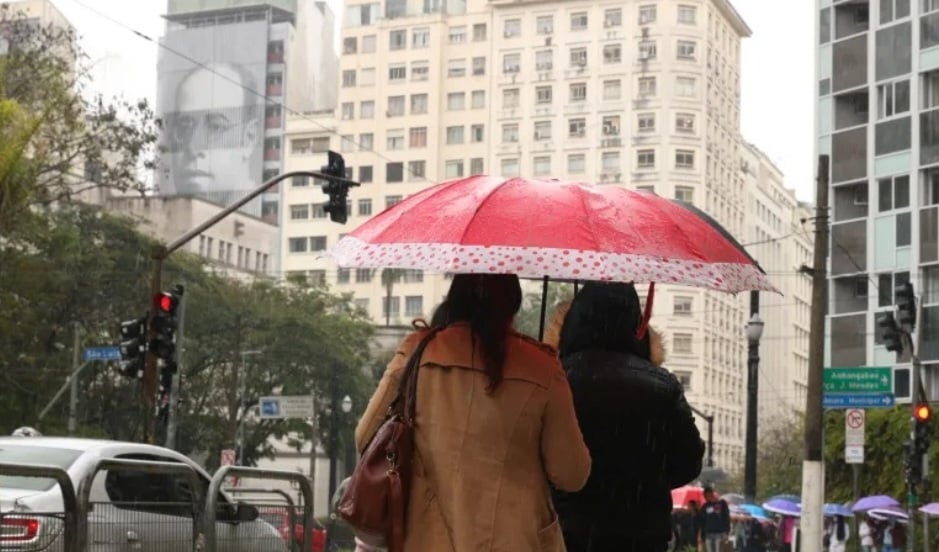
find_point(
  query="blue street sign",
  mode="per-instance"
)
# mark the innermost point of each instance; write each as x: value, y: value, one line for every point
x: 270, y: 407
x: 876, y: 400
x: 102, y: 353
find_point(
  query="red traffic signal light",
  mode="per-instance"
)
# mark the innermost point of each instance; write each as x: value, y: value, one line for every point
x: 165, y: 302
x: 922, y: 412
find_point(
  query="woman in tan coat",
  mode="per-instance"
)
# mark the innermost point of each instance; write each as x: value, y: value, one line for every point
x: 495, y: 425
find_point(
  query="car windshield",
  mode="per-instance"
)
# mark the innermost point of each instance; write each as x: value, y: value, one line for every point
x: 16, y: 454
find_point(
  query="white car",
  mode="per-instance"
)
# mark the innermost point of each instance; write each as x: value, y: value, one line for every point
x: 137, y: 511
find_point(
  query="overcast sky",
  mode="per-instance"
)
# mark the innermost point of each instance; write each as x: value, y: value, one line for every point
x: 777, y: 75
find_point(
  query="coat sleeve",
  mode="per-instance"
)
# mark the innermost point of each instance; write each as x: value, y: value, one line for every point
x: 725, y: 517
x: 686, y: 450
x: 565, y: 455
x: 385, y: 394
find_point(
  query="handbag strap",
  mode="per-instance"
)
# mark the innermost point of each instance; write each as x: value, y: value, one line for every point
x: 405, y: 404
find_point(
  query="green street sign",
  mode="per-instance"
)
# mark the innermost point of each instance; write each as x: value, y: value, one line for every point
x: 861, y: 379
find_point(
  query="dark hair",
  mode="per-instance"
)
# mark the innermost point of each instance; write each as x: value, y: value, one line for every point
x: 489, y: 303
x: 708, y: 489
x: 604, y: 316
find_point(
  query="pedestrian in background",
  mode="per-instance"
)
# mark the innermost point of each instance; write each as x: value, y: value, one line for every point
x: 715, y: 521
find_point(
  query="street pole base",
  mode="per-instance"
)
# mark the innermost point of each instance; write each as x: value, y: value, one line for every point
x: 811, y: 528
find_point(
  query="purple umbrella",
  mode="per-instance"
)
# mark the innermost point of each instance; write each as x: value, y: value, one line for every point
x: 931, y: 509
x: 783, y: 507
x: 884, y: 513
x: 875, y: 501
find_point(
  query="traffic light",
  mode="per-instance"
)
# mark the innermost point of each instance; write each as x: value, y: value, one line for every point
x: 165, y: 305
x: 889, y: 332
x: 167, y: 371
x: 922, y: 416
x: 337, y: 191
x: 133, y: 346
x: 912, y: 464
x: 906, y: 305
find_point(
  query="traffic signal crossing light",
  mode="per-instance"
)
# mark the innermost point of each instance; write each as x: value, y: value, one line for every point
x: 889, y: 332
x: 133, y: 346
x: 922, y: 417
x: 338, y: 191
x: 165, y: 322
x: 906, y: 305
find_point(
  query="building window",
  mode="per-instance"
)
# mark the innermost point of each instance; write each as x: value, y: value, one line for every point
x: 478, y: 100
x: 456, y: 101
x: 682, y: 306
x: 579, y: 21
x: 646, y: 122
x: 684, y: 122
x: 318, y: 243
x: 417, y: 170
x: 420, y: 38
x: 362, y: 304
x: 395, y: 140
x: 348, y: 78
x: 544, y: 60
x: 610, y: 163
x: 348, y: 111
x: 350, y: 45
x: 687, y: 49
x: 454, y: 168
x: 479, y: 66
x: 318, y: 211
x: 417, y: 137
x: 543, y: 94
x: 299, y: 212
x: 579, y: 92
x: 645, y: 158
x: 647, y: 86
x: 684, y: 159
x: 392, y: 200
x: 299, y: 181
x: 684, y: 193
x: 542, y: 130
x: 457, y: 34
x: 613, y: 17
x: 577, y: 128
x: 510, y: 133
x: 420, y: 71
x: 418, y: 104
x: 369, y: 44
x: 366, y: 141
x: 365, y: 207
x: 390, y: 307
x: 476, y: 166
x: 397, y: 73
x: 577, y: 163
x: 456, y: 68
x: 887, y: 285
x: 611, y: 125
x: 613, y: 53
x: 363, y: 275
x: 687, y: 15
x: 398, y: 40
x: 394, y: 172
x: 648, y: 50
x: 395, y: 106
x: 891, y: 10
x: 511, y: 63
x: 682, y: 343
x: 542, y: 165
x: 512, y: 28
x: 612, y: 89
x: 412, y: 276
x: 685, y: 87
x: 893, y: 98
x: 347, y: 143
x: 365, y: 174
x: 544, y: 24
x: 647, y: 14
x: 477, y: 133
x: 343, y: 275
x: 893, y: 193
x: 479, y: 32
x: 578, y: 57
x: 455, y: 135
x: 510, y: 97
x: 367, y: 110
x: 510, y: 167
x: 414, y: 305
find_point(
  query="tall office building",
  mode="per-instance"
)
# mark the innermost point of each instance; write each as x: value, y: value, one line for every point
x: 878, y: 90
x: 636, y: 93
x: 227, y: 69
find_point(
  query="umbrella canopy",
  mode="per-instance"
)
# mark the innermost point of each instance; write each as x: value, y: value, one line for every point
x: 734, y: 498
x: 563, y: 230
x: 755, y: 511
x: 783, y: 507
x: 790, y: 497
x: 875, y: 501
x: 683, y: 496
x: 832, y: 510
x: 887, y: 513
x: 931, y: 509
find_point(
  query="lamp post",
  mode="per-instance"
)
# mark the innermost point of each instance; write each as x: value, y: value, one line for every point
x: 346, y: 406
x: 754, y: 332
x: 243, y: 376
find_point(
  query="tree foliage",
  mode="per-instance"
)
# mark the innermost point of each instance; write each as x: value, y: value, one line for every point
x: 529, y: 317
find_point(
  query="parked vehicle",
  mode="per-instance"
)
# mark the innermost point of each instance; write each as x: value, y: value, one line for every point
x: 277, y: 517
x: 144, y: 512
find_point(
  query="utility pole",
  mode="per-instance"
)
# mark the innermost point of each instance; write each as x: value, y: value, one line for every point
x: 709, y: 419
x: 813, y: 467
x: 73, y: 394
x: 173, y: 406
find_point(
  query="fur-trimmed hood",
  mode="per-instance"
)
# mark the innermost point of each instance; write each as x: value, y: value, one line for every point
x: 552, y: 335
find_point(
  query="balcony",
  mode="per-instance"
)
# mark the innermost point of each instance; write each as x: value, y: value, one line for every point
x: 273, y: 122
x: 272, y: 154
x: 275, y: 89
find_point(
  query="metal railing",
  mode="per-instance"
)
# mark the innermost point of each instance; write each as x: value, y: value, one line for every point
x: 215, y: 487
x: 84, y: 507
x: 69, y: 502
x: 291, y: 509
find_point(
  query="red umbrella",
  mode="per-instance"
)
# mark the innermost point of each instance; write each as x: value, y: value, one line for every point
x: 562, y: 230
x: 682, y: 496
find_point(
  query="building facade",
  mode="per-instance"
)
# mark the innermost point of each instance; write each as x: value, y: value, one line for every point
x: 224, y: 100
x: 779, y: 234
x: 878, y: 90
x: 641, y: 94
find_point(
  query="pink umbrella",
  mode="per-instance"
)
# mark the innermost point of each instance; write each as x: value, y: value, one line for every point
x: 931, y: 509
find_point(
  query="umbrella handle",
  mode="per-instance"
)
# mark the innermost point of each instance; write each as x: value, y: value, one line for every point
x: 647, y: 313
x: 544, y: 308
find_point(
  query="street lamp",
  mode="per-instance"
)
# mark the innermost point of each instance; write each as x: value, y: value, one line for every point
x: 754, y: 332
x: 244, y: 404
x: 346, y: 406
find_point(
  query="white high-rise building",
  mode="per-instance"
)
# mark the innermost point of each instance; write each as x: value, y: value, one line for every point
x: 643, y: 94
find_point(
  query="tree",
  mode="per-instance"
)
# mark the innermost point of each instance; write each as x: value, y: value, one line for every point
x: 529, y: 317
x: 64, y: 140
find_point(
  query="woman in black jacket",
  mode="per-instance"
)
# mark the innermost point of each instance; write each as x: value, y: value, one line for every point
x: 636, y: 423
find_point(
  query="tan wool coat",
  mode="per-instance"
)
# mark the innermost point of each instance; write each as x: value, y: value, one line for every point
x: 483, y: 461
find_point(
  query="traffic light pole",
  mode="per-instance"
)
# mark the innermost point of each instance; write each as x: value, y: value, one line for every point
x: 173, y: 407
x: 160, y: 253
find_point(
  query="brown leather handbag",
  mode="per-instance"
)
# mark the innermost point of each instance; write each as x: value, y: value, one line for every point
x: 376, y: 498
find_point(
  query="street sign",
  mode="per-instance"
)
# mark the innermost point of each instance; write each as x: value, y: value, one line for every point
x: 228, y: 457
x: 858, y: 380
x: 854, y: 427
x: 279, y: 407
x: 873, y: 400
x: 102, y: 353
x: 853, y: 455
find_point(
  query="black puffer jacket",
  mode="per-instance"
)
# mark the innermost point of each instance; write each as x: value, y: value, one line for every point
x: 635, y: 420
